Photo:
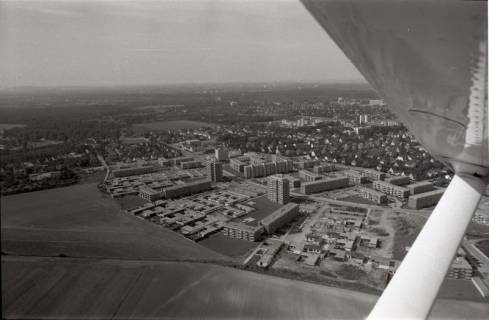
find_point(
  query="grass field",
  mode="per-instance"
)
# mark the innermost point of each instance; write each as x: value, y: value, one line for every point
x: 407, y: 229
x: 171, y: 125
x: 79, y: 221
x: 228, y: 246
x: 483, y: 246
x: 67, y: 288
x: 130, y: 202
x: 459, y: 289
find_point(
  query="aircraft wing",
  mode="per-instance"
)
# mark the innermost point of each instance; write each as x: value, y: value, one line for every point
x: 428, y: 60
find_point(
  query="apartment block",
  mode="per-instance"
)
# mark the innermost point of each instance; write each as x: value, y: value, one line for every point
x: 324, y: 185
x: 309, y: 175
x: 323, y: 168
x: 190, y: 164
x: 356, y: 177
x: 426, y: 199
x: 373, y: 174
x: 278, y: 189
x: 222, y: 154
x: 420, y: 187
x: 186, y: 189
x: 214, y: 171
x: 279, y: 217
x: 373, y: 195
x: 132, y: 171
x: 242, y: 231
x: 391, y: 189
x: 399, y: 180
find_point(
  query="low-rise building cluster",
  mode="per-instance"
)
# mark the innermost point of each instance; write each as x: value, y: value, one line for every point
x: 198, y: 216
x: 339, y: 235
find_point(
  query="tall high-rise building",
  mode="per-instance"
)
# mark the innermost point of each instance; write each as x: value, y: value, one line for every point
x: 222, y: 154
x: 278, y: 189
x: 363, y: 118
x: 214, y: 171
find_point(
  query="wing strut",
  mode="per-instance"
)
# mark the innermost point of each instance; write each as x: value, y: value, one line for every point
x: 414, y: 287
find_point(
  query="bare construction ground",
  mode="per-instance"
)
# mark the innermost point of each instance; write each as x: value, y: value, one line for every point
x: 111, y: 289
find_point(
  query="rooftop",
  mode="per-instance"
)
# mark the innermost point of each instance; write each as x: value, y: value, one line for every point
x: 263, y: 208
x: 242, y: 226
x: 420, y: 183
x: 148, y: 190
x: 325, y: 180
x: 279, y: 212
x: 429, y: 193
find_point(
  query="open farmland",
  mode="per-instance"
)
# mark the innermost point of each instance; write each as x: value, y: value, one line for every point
x: 228, y: 246
x: 79, y: 221
x: 171, y: 125
x: 86, y: 288
x: 483, y: 246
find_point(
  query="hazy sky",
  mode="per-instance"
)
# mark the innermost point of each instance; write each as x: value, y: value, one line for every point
x: 139, y: 42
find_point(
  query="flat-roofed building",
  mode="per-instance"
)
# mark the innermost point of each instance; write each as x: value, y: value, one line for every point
x: 265, y: 169
x: 294, y: 182
x: 426, y: 199
x: 186, y: 189
x: 323, y: 168
x: 239, y: 163
x: 356, y: 177
x: 399, y: 180
x: 420, y: 187
x: 391, y: 189
x: 165, y: 162
x: 222, y: 154
x: 190, y: 164
x: 279, y: 217
x: 242, y: 231
x: 214, y: 171
x: 133, y: 171
x: 304, y: 164
x: 373, y: 174
x: 309, y: 175
x: 254, y: 171
x: 278, y: 189
x: 324, y: 185
x: 149, y: 194
x: 460, y: 269
x: 177, y: 161
x: 284, y: 166
x: 373, y: 195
